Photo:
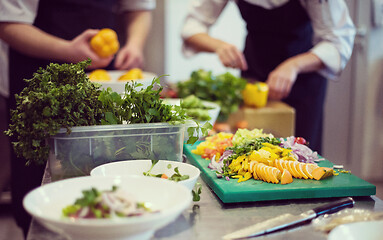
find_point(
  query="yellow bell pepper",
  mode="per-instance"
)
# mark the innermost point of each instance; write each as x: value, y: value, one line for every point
x: 99, y: 75
x: 132, y: 74
x: 105, y: 42
x: 255, y: 94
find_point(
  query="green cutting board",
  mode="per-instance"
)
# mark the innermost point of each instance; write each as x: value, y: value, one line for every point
x: 342, y: 185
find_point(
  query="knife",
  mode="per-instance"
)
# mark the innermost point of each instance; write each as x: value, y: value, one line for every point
x: 288, y: 221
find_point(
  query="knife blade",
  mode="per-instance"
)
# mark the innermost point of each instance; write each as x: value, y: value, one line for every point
x: 289, y: 221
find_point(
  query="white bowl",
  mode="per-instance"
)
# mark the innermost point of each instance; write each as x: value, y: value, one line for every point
x: 138, y: 167
x: 369, y: 230
x: 119, y: 85
x: 213, y: 113
x: 45, y: 204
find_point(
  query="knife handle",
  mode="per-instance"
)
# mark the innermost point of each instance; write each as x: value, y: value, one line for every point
x: 335, y: 206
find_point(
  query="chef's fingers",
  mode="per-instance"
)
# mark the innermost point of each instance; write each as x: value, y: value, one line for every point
x: 98, y: 62
x: 240, y: 61
x: 89, y: 33
x: 278, y: 86
x: 243, y: 63
x: 230, y: 56
x: 273, y: 88
x: 121, y: 61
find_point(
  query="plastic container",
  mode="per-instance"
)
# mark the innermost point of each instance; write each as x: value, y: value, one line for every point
x: 85, y: 148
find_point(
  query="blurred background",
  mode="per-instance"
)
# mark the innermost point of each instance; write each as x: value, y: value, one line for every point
x: 353, y: 133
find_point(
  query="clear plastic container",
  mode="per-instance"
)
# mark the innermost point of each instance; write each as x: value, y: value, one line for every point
x: 85, y: 148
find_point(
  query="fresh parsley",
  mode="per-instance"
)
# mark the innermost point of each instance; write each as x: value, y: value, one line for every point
x: 62, y: 96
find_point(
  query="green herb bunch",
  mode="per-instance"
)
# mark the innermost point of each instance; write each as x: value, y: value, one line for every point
x: 224, y: 89
x: 60, y: 96
x: 139, y: 105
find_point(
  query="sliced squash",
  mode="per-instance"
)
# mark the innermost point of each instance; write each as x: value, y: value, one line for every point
x: 322, y: 172
x: 286, y: 177
x: 299, y: 168
x: 278, y: 164
x: 308, y: 168
x: 292, y: 170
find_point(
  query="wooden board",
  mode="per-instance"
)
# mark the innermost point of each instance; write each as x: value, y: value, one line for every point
x: 342, y: 185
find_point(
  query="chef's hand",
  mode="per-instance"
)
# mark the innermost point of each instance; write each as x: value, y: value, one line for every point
x: 129, y: 57
x: 282, y: 79
x: 79, y: 50
x: 230, y: 56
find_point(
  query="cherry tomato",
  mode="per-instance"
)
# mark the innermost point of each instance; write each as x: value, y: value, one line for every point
x: 300, y: 140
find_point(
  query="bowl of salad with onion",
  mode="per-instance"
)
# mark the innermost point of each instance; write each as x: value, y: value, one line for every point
x: 108, y: 207
x: 183, y: 173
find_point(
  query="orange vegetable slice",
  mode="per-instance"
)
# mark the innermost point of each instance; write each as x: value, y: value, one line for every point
x: 286, y: 177
x: 263, y: 172
x: 322, y: 172
x: 255, y: 176
x: 299, y: 168
x: 308, y: 168
x: 278, y: 164
x: 291, y: 168
x: 284, y: 164
x: 164, y: 176
x: 274, y: 174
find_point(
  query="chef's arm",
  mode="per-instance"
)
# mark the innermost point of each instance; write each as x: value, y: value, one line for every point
x: 305, y: 62
x: 31, y: 41
x: 229, y: 54
x: 138, y: 25
x: 34, y: 42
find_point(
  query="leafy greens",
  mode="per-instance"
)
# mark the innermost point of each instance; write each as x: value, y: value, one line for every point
x: 224, y: 89
x: 61, y: 96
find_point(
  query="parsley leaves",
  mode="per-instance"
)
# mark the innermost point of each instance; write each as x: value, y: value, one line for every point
x: 61, y: 96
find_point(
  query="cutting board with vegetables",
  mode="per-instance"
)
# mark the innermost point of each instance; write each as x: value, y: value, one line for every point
x: 344, y: 184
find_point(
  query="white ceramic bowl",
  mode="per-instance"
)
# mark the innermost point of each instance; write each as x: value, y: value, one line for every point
x: 119, y: 86
x: 138, y: 167
x: 369, y: 230
x: 213, y: 113
x: 45, y: 204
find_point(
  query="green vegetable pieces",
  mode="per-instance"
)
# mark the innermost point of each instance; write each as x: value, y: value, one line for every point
x: 195, y: 108
x: 224, y: 89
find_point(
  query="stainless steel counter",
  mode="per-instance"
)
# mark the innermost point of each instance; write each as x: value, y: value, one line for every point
x: 211, y: 219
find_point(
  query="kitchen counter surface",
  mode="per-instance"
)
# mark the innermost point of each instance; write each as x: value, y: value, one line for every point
x: 211, y: 219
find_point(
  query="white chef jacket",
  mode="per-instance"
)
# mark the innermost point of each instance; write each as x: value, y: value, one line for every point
x: 24, y: 11
x: 334, y: 31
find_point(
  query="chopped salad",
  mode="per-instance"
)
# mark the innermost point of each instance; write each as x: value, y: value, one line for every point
x: 105, y: 204
x: 254, y: 154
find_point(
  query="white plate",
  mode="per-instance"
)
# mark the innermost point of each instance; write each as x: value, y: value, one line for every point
x: 371, y: 230
x: 45, y: 204
x: 119, y: 86
x: 137, y: 167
